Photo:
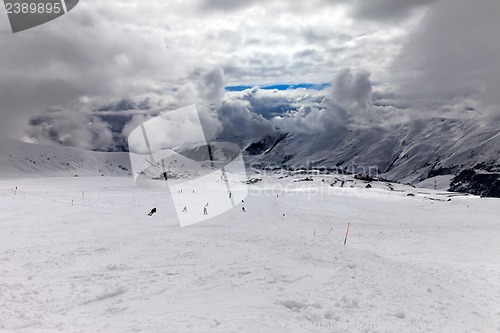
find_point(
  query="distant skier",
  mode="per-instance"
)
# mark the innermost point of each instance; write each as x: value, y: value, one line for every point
x: 152, y: 211
x: 185, y: 210
x: 243, y: 209
x: 230, y: 195
x: 205, y: 212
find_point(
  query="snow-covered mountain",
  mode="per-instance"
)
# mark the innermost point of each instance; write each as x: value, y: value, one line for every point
x: 449, y: 154
x: 460, y: 151
x: 21, y: 160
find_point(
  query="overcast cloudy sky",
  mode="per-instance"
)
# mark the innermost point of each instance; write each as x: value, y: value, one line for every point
x: 89, y: 77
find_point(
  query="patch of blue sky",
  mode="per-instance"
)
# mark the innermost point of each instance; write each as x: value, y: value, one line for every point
x: 313, y: 86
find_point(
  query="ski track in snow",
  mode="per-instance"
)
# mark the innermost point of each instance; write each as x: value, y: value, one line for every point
x: 80, y: 255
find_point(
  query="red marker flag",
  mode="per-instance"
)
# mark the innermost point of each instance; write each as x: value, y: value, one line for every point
x: 347, y: 233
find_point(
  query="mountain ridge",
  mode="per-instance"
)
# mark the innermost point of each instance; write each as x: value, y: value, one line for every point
x: 410, y: 152
x: 453, y: 154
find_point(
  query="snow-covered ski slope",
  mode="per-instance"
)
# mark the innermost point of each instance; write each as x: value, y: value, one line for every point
x: 81, y: 255
x: 21, y: 160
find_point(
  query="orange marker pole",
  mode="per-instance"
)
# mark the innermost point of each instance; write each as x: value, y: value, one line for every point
x: 347, y: 233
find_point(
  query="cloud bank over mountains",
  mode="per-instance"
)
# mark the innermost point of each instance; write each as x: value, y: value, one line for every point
x: 89, y: 78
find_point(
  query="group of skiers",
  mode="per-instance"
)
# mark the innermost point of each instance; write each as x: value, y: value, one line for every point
x: 205, y: 210
x: 184, y: 210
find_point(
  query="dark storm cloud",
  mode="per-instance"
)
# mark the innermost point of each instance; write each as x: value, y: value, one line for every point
x: 376, y: 10
x: 228, y: 4
x: 352, y: 91
x: 292, y: 6
x: 52, y: 66
x: 27, y: 81
x: 455, y: 51
x: 322, y: 35
x: 128, y: 103
x: 383, y: 10
x: 213, y: 83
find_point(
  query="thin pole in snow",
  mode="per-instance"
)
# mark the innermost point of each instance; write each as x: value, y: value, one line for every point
x: 347, y: 233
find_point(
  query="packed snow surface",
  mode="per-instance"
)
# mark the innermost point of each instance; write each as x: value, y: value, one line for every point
x: 81, y: 255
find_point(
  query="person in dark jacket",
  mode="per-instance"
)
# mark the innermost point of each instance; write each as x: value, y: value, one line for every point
x: 152, y: 211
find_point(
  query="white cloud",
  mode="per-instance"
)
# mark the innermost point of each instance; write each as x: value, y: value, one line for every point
x: 347, y: 103
x: 71, y: 128
x: 238, y: 120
